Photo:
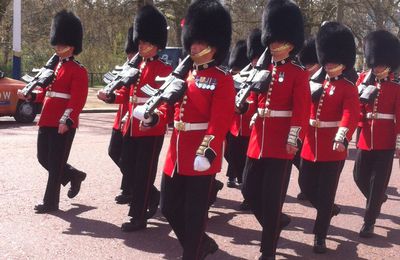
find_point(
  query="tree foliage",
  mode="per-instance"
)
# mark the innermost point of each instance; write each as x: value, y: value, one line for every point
x: 106, y: 23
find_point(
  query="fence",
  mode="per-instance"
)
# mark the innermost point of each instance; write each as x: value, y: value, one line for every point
x: 95, y: 79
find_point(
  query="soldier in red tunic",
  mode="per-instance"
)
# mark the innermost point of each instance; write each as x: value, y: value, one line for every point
x: 279, y: 121
x: 380, y: 123
x: 236, y: 143
x: 333, y: 119
x: 308, y: 58
x: 116, y: 144
x: 143, y: 140
x: 201, y: 120
x: 239, y: 134
x: 63, y: 101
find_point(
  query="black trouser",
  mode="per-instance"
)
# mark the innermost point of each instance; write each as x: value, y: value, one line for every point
x: 264, y: 187
x: 115, y: 149
x: 184, y: 203
x: 319, y: 181
x: 52, y: 153
x: 372, y: 170
x: 140, y: 161
x: 236, y: 155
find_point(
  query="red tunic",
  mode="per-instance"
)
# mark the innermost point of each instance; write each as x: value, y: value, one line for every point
x: 241, y: 122
x: 122, y: 110
x: 290, y: 92
x: 71, y: 78
x: 150, y: 69
x: 380, y: 134
x: 339, y: 103
x: 209, y: 99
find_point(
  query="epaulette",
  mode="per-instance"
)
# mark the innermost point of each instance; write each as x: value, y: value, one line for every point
x: 77, y: 62
x: 223, y: 69
x: 298, y: 64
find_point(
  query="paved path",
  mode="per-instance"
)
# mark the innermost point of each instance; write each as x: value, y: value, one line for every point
x: 88, y: 226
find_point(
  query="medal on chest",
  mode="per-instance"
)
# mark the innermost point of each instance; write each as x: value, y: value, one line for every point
x: 332, y: 91
x: 281, y: 77
x: 205, y: 82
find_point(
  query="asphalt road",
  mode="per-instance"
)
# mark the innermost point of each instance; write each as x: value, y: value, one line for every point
x: 88, y: 226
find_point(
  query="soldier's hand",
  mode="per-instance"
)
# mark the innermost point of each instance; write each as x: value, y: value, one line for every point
x: 139, y: 113
x: 290, y: 149
x: 339, y: 147
x: 62, y: 128
x: 201, y: 164
x: 101, y: 95
x: 398, y: 153
x: 22, y: 96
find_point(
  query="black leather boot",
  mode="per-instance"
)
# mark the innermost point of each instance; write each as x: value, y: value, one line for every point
x: 319, y: 245
x: 76, y: 181
x: 367, y: 230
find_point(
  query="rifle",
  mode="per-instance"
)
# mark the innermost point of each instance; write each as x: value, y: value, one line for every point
x: 258, y: 79
x: 316, y: 81
x: 366, y: 90
x: 127, y: 76
x: 43, y: 78
x: 110, y: 76
x: 172, y: 89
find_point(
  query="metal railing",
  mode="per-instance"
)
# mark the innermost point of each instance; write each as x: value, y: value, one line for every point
x: 95, y: 78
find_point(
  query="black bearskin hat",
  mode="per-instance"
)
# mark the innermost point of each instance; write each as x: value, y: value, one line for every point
x: 308, y: 55
x: 335, y: 44
x: 208, y: 21
x: 150, y: 26
x: 66, y: 29
x: 238, y: 58
x: 254, y: 45
x: 382, y: 48
x: 282, y: 21
x: 130, y: 45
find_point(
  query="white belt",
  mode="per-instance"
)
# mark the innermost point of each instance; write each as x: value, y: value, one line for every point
x: 182, y: 126
x: 265, y: 112
x: 371, y: 115
x: 324, y: 124
x: 138, y: 100
x: 57, y: 95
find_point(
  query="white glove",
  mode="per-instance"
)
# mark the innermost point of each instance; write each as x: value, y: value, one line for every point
x: 201, y: 164
x: 138, y: 113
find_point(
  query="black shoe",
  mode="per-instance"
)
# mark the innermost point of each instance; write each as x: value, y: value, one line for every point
x: 42, y: 208
x: 133, y: 225
x: 301, y: 196
x: 76, y: 181
x: 231, y: 183
x: 208, y: 247
x: 244, y: 206
x: 218, y: 186
x: 319, y: 245
x: 367, y: 230
x: 153, y: 205
x: 123, y: 199
x: 335, y: 210
x: 285, y: 221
